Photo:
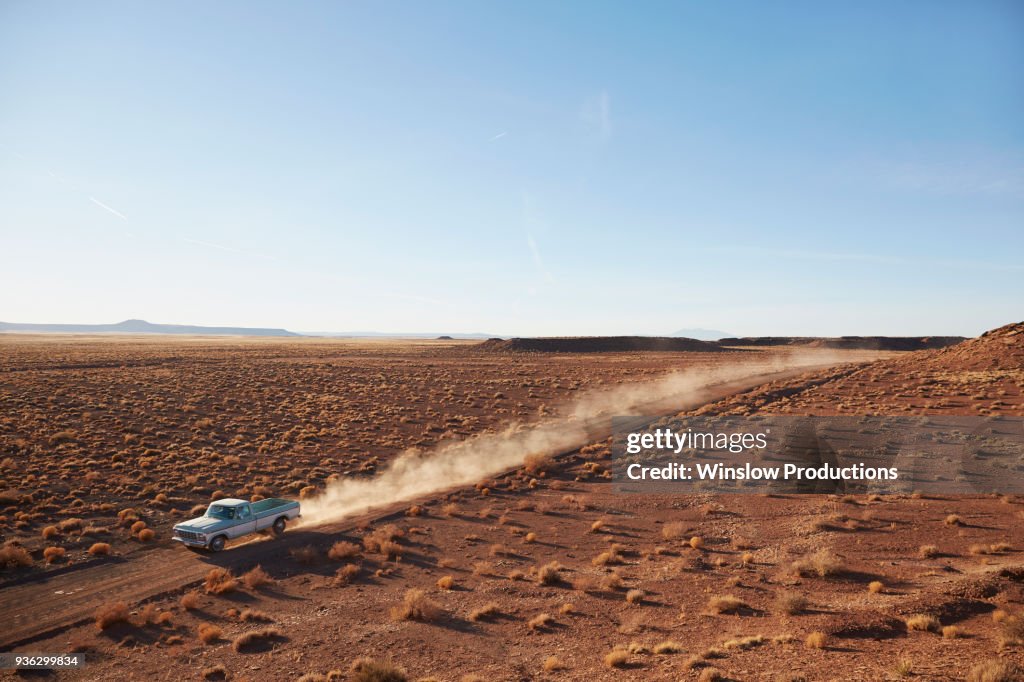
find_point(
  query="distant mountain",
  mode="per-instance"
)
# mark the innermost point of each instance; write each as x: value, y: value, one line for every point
x: 702, y: 334
x: 141, y: 327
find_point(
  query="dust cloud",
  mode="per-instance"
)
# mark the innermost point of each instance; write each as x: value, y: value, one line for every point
x: 416, y: 473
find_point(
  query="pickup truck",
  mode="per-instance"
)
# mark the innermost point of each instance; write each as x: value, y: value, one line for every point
x: 230, y: 518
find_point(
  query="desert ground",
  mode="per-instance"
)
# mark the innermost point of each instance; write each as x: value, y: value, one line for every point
x: 539, y: 571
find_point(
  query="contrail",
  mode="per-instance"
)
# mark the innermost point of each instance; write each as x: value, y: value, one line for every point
x: 99, y: 203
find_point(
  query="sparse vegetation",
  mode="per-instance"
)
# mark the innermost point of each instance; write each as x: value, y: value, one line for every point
x: 416, y: 605
x: 111, y: 614
x: 726, y: 604
x: 923, y: 622
x: 220, y: 581
x: 209, y: 633
x: 816, y: 640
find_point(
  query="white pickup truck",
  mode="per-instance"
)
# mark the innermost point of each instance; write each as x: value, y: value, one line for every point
x: 230, y: 518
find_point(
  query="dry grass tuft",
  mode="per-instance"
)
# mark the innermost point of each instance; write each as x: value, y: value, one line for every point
x: 995, y: 670
x: 816, y: 640
x: 952, y: 632
x: 100, y: 549
x: 53, y: 554
x: 697, y: 542
x: 220, y: 581
x: 725, y: 604
x: 13, y: 556
x: 368, y: 670
x: 953, y: 520
x: 923, y: 622
x: 111, y: 614
x: 617, y: 657
x: 209, y: 633
x: 928, y: 551
x: 822, y: 563
x: 446, y: 582
x: 343, y: 551
x: 635, y: 596
x: 540, y: 621
x: 256, y: 578
x: 485, y: 612
x: 552, y: 663
x: 791, y: 603
x: 189, y: 601
x: 876, y: 586
x: 549, y: 574
x: 668, y: 647
x: 256, y: 640
x: 416, y: 605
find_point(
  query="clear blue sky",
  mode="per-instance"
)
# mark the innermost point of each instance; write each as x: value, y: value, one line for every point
x: 515, y: 168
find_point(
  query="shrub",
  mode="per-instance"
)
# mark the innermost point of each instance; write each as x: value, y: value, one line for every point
x: 256, y: 640
x: 446, y: 582
x: 146, y: 535
x: 217, y: 672
x: 549, y: 574
x: 923, y: 622
x: 416, y: 605
x: 485, y: 612
x: 816, y: 640
x: 928, y: 551
x: 256, y: 578
x: 13, y: 556
x: 50, y: 532
x: 952, y: 632
x: 711, y: 675
x: 540, y: 621
x: 189, y: 601
x: 697, y: 542
x: 790, y: 603
x: 109, y: 615
x: 617, y: 657
x: 995, y: 670
x: 367, y: 670
x: 822, y: 563
x: 673, y: 530
x: 137, y: 527
x: 53, y: 554
x: 876, y: 586
x: 345, y: 575
x: 208, y: 633
x: 634, y: 596
x: 100, y: 549
x: 668, y: 647
x: 552, y: 663
x: 255, y: 615
x: 953, y: 520
x: 220, y: 581
x: 340, y: 551
x: 725, y: 604
x: 1012, y: 629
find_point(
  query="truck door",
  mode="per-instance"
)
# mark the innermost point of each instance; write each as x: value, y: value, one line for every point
x: 246, y: 521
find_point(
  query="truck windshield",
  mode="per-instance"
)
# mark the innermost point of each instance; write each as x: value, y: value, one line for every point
x: 219, y: 511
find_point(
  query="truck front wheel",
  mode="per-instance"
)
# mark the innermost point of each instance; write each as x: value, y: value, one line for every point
x: 217, y: 544
x: 279, y: 525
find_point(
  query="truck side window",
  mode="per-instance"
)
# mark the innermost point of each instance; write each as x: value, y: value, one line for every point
x: 243, y: 512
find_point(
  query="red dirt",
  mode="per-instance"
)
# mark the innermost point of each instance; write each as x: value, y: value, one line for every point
x: 493, y: 539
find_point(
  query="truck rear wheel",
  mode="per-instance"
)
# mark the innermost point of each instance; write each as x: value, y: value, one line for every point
x: 279, y: 525
x: 217, y: 544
